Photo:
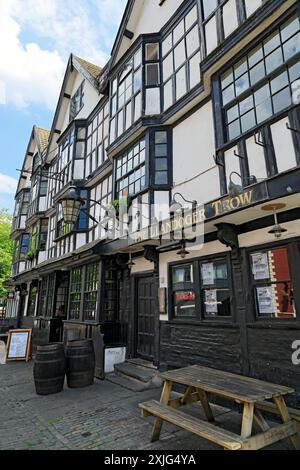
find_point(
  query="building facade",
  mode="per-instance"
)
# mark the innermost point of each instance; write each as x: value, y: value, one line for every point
x: 199, y: 102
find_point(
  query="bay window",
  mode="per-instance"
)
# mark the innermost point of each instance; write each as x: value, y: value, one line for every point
x: 221, y: 17
x: 131, y: 171
x: 125, y: 103
x: 260, y: 85
x: 181, y: 58
x: 97, y: 140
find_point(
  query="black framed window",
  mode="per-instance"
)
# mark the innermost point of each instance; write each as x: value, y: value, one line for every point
x: 43, y: 234
x: 24, y: 245
x: 260, y: 85
x: 220, y: 18
x: 46, y: 296
x: 84, y: 293
x: 126, y: 99
x: 181, y: 58
x: 183, y: 291
x: 64, y: 162
x: 102, y: 193
x: 91, y: 288
x: 77, y: 102
x: 201, y: 289
x: 75, y: 293
x: 131, y: 171
x: 43, y: 187
x: 152, y: 79
x: 161, y: 158
x: 215, y: 288
x: 97, y: 140
x: 273, y: 288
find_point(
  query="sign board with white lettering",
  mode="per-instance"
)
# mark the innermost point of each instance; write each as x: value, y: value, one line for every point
x: 113, y: 356
x: 18, y: 345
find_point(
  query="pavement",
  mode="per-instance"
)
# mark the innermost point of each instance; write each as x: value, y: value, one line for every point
x: 104, y: 416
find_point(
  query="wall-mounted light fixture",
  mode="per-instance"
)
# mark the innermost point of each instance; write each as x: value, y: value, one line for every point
x: 277, y: 230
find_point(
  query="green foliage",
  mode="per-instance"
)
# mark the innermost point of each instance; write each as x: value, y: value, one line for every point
x: 6, y: 249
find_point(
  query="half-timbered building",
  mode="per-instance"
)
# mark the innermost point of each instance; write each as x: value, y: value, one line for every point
x: 199, y: 102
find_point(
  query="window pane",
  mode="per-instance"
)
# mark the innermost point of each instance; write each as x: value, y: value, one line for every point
x: 242, y: 84
x: 167, y: 44
x: 179, y: 54
x: 216, y: 303
x: 291, y: 47
x: 178, y: 31
x: 208, y: 7
x: 168, y: 94
x: 282, y: 100
x: 289, y: 28
x: 168, y: 67
x: 230, y: 20
x: 152, y: 101
x: 181, y: 87
x: 152, y: 52
x: 274, y: 60
x: 192, y: 41
x: 137, y: 107
x: 294, y: 71
x: 152, y: 75
x: 257, y: 73
x: 279, y: 82
x: 195, y: 70
x: 264, y: 111
x: 191, y: 18
x: 211, y: 35
x: 248, y: 121
x: 161, y: 177
x: 184, y: 303
x: 251, y: 6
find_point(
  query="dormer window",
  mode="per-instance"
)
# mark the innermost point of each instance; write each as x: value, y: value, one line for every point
x: 77, y: 102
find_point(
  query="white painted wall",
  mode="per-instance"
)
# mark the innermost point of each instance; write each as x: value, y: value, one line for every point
x: 141, y: 266
x: 193, y: 150
x: 91, y: 98
x: 259, y: 237
x: 148, y: 17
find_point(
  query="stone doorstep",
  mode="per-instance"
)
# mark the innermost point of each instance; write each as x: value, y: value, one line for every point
x: 138, y: 372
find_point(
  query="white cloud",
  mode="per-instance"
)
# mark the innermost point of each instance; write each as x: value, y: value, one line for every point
x: 8, y: 185
x: 33, y: 71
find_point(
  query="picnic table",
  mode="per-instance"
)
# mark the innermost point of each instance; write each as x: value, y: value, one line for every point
x: 200, y: 384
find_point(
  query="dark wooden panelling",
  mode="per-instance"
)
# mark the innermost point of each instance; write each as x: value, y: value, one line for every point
x: 270, y: 356
x: 183, y: 345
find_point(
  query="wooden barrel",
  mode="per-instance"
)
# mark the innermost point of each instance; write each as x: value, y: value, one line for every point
x: 80, y: 368
x: 49, y: 369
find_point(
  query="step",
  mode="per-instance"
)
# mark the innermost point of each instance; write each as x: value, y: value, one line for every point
x: 201, y: 428
x: 137, y: 372
x: 142, y: 362
x: 129, y: 384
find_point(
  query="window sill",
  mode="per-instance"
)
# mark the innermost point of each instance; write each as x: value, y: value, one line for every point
x: 208, y: 323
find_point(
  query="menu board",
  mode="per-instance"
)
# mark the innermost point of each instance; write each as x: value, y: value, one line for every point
x: 265, y: 300
x: 208, y: 274
x: 211, y: 301
x: 260, y: 266
x: 18, y: 345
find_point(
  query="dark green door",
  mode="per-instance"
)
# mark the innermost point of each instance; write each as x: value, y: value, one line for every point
x: 145, y: 317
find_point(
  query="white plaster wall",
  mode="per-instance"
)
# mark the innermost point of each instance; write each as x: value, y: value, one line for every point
x: 91, y: 98
x: 193, y: 150
x: 142, y: 265
x: 259, y: 237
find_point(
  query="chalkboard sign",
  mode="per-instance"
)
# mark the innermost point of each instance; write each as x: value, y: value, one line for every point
x: 18, y: 345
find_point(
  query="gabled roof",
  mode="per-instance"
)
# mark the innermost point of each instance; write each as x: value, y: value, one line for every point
x: 92, y: 69
x: 42, y: 138
x: 90, y: 72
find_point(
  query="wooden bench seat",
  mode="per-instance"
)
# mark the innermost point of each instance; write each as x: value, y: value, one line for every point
x: 208, y: 431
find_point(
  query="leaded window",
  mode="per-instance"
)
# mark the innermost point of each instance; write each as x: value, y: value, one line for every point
x: 97, y: 140
x: 260, y: 85
x: 75, y: 293
x: 181, y: 58
x: 102, y: 193
x: 131, y: 171
x: 152, y: 74
x: 77, y: 102
x: 221, y: 17
x: 91, y: 288
x: 126, y: 102
x: 65, y: 157
x: 46, y: 296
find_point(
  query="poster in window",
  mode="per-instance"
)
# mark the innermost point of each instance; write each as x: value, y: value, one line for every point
x: 260, y: 266
x: 211, y: 301
x: 265, y: 300
x: 208, y: 274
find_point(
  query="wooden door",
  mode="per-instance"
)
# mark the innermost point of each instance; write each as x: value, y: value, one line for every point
x: 145, y: 317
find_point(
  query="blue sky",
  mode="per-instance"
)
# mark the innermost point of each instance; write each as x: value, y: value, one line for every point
x: 39, y: 36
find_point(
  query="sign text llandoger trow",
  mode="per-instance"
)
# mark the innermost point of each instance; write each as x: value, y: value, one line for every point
x: 201, y: 214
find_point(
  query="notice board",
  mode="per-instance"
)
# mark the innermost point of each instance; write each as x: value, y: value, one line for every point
x: 18, y: 345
